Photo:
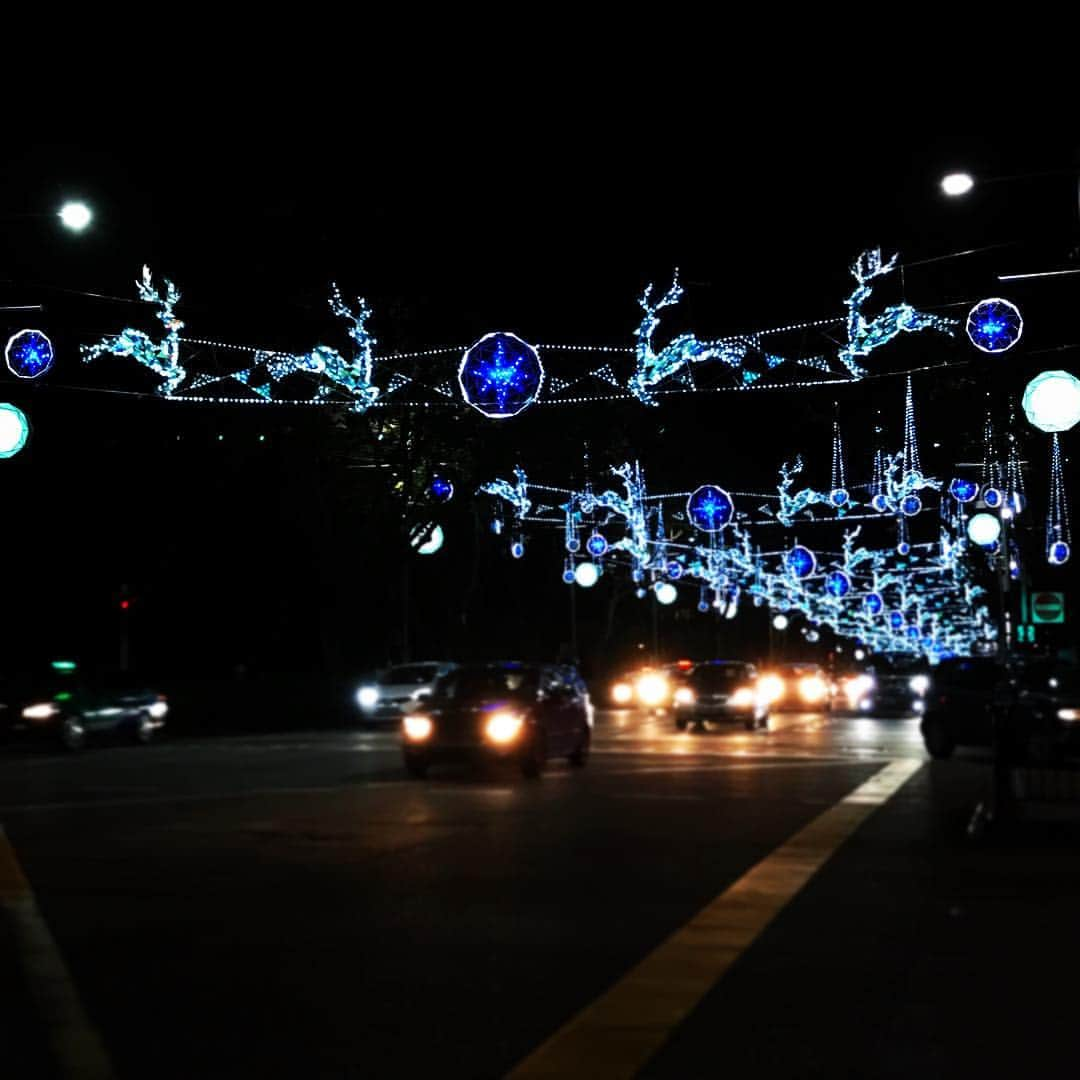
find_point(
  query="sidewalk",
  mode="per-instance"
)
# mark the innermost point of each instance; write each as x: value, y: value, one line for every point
x: 914, y: 953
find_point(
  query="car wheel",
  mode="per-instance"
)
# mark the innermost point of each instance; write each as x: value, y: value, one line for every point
x: 417, y: 766
x: 939, y: 744
x: 144, y: 729
x: 680, y: 723
x: 580, y: 756
x: 72, y: 733
x: 763, y: 723
x: 532, y: 764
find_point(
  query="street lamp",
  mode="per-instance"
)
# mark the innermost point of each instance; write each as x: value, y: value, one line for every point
x: 75, y: 216
x: 959, y: 183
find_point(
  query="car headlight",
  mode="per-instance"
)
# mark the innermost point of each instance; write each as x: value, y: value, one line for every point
x: 771, y: 688
x: 684, y: 696
x: 417, y: 728
x: 652, y: 689
x: 40, y: 712
x: 812, y: 689
x: 1068, y: 715
x: 856, y: 687
x: 742, y: 697
x: 367, y: 697
x: 622, y: 693
x: 159, y: 709
x: 919, y: 684
x: 503, y: 727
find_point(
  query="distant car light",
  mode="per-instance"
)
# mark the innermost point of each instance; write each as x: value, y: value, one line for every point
x: 866, y: 704
x: 684, y: 696
x: 771, y: 688
x: 919, y: 684
x: 812, y: 689
x: 503, y: 727
x: 856, y: 688
x: 40, y: 712
x: 652, y: 690
x: 622, y: 693
x: 158, y: 710
x: 1068, y: 715
x: 417, y: 728
x: 742, y: 697
x: 367, y: 697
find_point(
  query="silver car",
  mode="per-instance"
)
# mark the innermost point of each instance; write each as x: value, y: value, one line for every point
x: 397, y: 690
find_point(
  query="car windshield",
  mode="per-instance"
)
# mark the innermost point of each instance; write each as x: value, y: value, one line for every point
x: 408, y: 675
x: 721, y: 674
x: 486, y: 683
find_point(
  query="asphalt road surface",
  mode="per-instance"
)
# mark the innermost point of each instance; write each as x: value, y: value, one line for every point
x: 293, y: 905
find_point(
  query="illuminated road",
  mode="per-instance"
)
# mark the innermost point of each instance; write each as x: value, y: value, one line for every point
x: 293, y: 905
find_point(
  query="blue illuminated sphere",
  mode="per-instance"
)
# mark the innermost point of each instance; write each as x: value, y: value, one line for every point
x: 1017, y: 500
x: 993, y: 498
x: 29, y: 353
x: 703, y: 606
x: 674, y: 569
x: 912, y: 631
x: 910, y: 505
x: 873, y: 603
x: 837, y: 583
x: 517, y: 549
x: 1059, y: 553
x: 963, y: 490
x: 500, y: 375
x: 994, y: 325
x: 573, y: 545
x: 568, y: 575
x: 441, y: 489
x: 597, y: 546
x: 800, y: 561
x: 880, y: 503
x: 903, y: 548
x: 709, y: 508
x: 896, y: 619
x: 838, y: 497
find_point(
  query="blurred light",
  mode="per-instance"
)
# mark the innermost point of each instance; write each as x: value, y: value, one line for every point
x: 666, y: 593
x: 984, y: 529
x: 860, y: 654
x: 856, y: 688
x: 742, y: 697
x: 159, y: 709
x: 14, y: 430
x: 433, y: 542
x: 684, y: 696
x: 622, y: 693
x: 771, y: 688
x: 63, y: 665
x: 652, y: 689
x: 957, y: 183
x: 812, y: 689
x: 40, y: 712
x: 1051, y: 401
x: 367, y: 697
x: 780, y: 622
x: 503, y: 727
x: 75, y: 216
x: 1068, y: 715
x: 586, y: 574
x: 919, y: 684
x: 417, y: 728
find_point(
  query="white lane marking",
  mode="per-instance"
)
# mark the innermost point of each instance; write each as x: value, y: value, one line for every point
x: 76, y: 1045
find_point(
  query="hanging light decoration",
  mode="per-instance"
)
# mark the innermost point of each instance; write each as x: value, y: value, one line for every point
x: 29, y: 353
x: 709, y: 508
x: 800, y: 561
x: 984, y: 529
x: 441, y: 489
x: 1058, y: 535
x: 838, y: 494
x: 666, y: 593
x: 994, y: 325
x: 963, y: 491
x: 1051, y: 401
x: 587, y: 574
x: 500, y: 375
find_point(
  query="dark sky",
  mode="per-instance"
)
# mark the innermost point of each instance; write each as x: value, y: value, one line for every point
x: 451, y: 229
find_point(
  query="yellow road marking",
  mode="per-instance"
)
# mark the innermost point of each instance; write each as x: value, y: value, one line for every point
x: 77, y: 1048
x: 617, y: 1034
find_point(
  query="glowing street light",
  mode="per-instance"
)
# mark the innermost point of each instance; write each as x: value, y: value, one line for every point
x: 75, y: 216
x: 959, y: 183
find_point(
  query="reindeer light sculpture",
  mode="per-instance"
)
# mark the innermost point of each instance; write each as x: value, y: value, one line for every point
x: 163, y: 358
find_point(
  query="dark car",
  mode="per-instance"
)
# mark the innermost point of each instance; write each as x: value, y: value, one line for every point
x: 893, y: 683
x: 721, y: 690
x: 1042, y: 699
x: 509, y: 711
x: 66, y: 706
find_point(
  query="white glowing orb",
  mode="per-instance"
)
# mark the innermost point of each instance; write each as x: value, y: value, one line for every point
x: 14, y: 428
x: 1052, y: 401
x: 666, y: 593
x: 433, y: 543
x: 75, y: 216
x: 780, y: 622
x: 984, y: 529
x: 959, y: 183
x: 586, y: 574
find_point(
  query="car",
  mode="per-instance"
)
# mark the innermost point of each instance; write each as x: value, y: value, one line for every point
x: 721, y: 690
x: 796, y: 686
x: 651, y: 688
x: 504, y: 711
x: 889, y: 683
x: 69, y: 707
x: 1042, y: 696
x: 394, y: 691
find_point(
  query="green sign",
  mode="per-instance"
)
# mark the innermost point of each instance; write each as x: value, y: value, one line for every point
x: 1025, y: 634
x: 1047, y: 607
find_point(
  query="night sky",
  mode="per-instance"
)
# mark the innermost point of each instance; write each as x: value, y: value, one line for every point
x: 256, y: 535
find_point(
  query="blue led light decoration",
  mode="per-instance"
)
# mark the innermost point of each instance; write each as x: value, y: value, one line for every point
x: 441, y: 489
x: 800, y: 561
x: 14, y: 430
x: 500, y: 375
x: 837, y: 584
x: 910, y: 505
x: 709, y: 508
x: 29, y: 353
x: 994, y: 325
x: 838, y: 496
x: 865, y: 336
x: 597, y: 546
x: 963, y: 491
x: 873, y: 603
x: 161, y: 357
x: 1058, y: 534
